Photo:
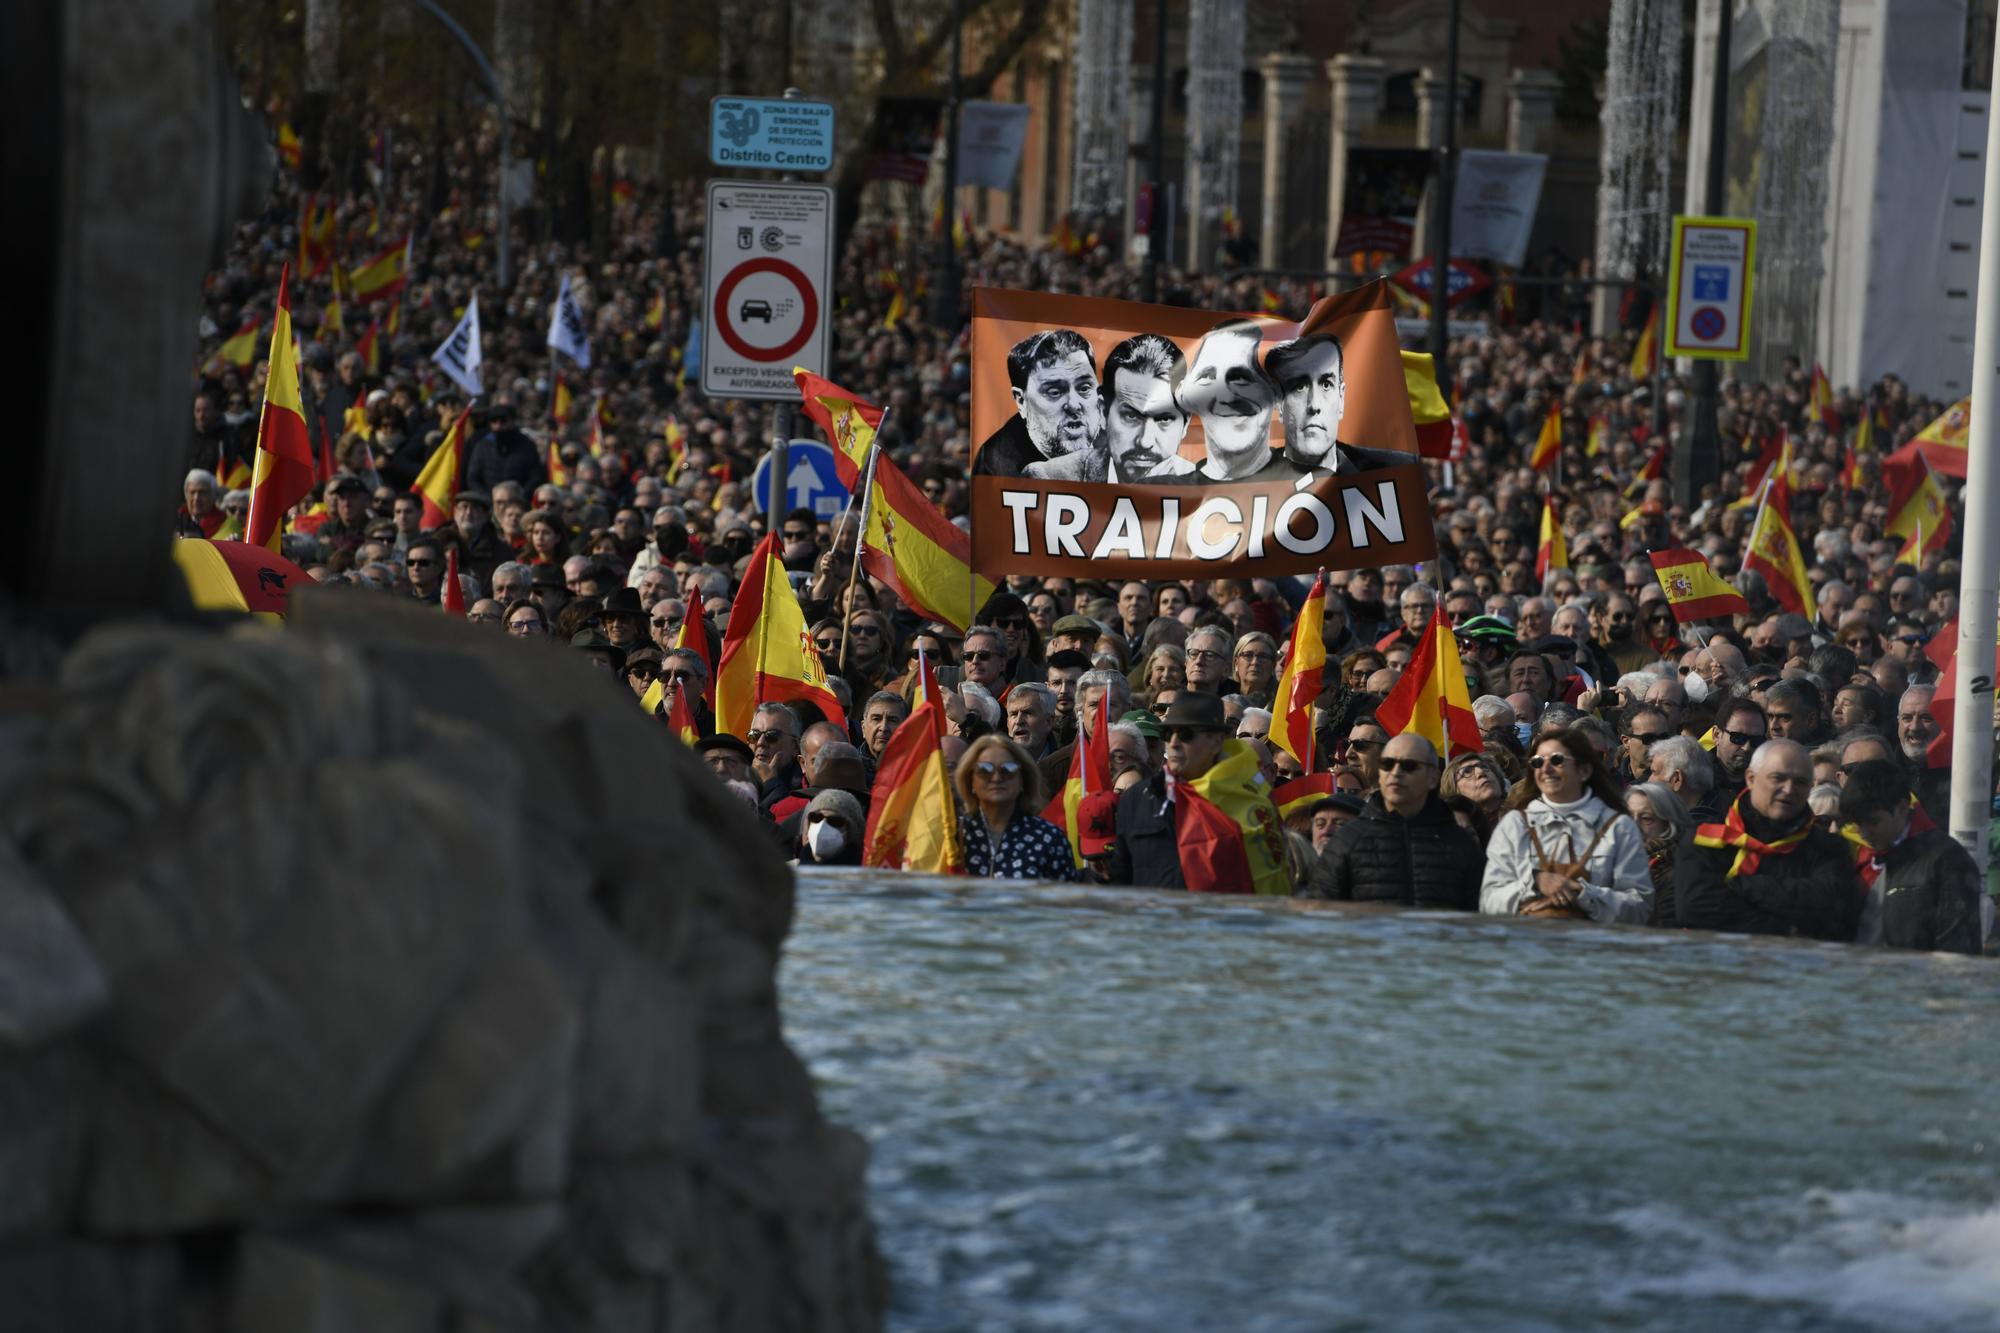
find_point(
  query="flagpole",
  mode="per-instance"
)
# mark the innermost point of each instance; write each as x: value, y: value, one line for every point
x: 854, y: 569
x: 1972, y: 709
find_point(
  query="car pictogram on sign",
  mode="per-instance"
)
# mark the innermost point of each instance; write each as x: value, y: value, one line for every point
x: 755, y: 310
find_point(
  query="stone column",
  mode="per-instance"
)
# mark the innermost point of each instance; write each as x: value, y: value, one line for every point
x: 1357, y: 103
x: 1285, y: 80
x: 1433, y: 105
x: 1531, y: 110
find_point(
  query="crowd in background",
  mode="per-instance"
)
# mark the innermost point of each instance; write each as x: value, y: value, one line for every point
x: 1613, y: 735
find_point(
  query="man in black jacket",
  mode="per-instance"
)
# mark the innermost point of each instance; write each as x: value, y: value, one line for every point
x: 1923, y: 888
x: 1768, y: 868
x: 1405, y: 847
x: 504, y: 454
x: 1146, y: 851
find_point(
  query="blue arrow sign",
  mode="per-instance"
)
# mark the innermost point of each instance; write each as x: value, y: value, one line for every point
x: 815, y: 482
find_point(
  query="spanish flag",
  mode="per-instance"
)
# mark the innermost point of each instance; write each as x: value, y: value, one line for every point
x: 1646, y: 352
x: 1593, y: 443
x: 1228, y: 832
x: 236, y: 576
x: 1430, y: 697
x: 1428, y: 408
x: 560, y: 402
x: 1553, y: 550
x: 1089, y: 773
x: 1302, y: 793
x: 1943, y: 442
x: 558, y: 473
x: 894, y: 314
x: 1267, y: 301
x: 767, y: 654
x: 906, y: 542
x: 1864, y: 430
x: 290, y: 151
x: 1693, y: 590
x: 1822, y: 401
x: 454, y: 591
x: 680, y: 717
x: 234, y: 474
x: 239, y: 349
x: 1917, y: 510
x: 383, y: 276
x: 315, y: 236
x: 694, y: 638
x: 1654, y: 467
x: 912, y: 815
x: 369, y: 349
x: 1849, y: 475
x: 1549, y: 444
x: 1299, y: 683
x: 656, y: 311
x: 440, y: 479
x: 1774, y: 551
x: 283, y: 470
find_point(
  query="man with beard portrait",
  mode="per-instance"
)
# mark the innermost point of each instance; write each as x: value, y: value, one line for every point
x: 1060, y: 411
x: 1143, y: 425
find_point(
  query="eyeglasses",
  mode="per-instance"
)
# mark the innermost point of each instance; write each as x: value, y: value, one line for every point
x: 670, y: 622
x: 1742, y: 737
x: 1011, y: 622
x: 1660, y: 620
x: 1548, y: 761
x: 1363, y: 744
x: 1912, y: 639
x: 864, y: 631
x: 678, y: 677
x: 1647, y: 737
x: 419, y: 564
x: 796, y: 534
x: 1203, y: 654
x: 1005, y: 768
x: 1183, y: 733
x: 981, y: 655
x: 645, y: 671
x: 756, y: 735
x: 1405, y: 765
x: 1256, y: 656
x: 482, y: 615
x: 527, y: 627
x: 1621, y: 617
x: 827, y: 645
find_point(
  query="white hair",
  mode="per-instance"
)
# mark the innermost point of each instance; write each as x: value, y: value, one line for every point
x: 1264, y: 713
x: 1490, y: 710
x: 979, y: 701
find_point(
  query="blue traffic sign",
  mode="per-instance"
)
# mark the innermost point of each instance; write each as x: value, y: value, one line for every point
x: 770, y: 134
x: 815, y: 482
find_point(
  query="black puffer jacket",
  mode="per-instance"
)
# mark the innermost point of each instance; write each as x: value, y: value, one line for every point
x: 1811, y: 890
x: 1929, y: 895
x: 1425, y: 860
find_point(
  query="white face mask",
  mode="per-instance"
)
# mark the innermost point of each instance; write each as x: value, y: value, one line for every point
x: 825, y: 838
x: 1696, y: 686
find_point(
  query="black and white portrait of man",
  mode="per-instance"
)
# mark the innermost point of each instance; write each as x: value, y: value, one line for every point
x: 1309, y: 375
x: 1060, y: 410
x: 1227, y: 388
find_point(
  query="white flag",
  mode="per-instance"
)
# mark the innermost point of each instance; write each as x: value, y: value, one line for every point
x: 459, y: 356
x: 566, y: 329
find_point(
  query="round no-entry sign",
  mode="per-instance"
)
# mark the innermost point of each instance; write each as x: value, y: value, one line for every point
x: 784, y: 300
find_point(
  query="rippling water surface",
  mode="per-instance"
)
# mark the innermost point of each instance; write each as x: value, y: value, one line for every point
x: 1111, y: 1110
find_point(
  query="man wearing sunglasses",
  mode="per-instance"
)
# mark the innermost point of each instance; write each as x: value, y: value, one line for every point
x: 1643, y: 726
x: 1406, y: 846
x: 1146, y: 851
x: 1740, y: 728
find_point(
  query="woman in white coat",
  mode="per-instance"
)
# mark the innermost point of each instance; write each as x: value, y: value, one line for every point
x: 1566, y: 847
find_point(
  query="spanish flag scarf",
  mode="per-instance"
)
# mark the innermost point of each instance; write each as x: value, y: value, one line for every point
x: 1868, y: 860
x: 1750, y: 851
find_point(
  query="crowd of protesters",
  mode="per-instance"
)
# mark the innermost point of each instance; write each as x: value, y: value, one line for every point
x: 1767, y: 775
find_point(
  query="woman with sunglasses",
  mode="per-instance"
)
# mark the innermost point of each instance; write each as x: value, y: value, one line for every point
x: 999, y: 795
x: 1566, y: 846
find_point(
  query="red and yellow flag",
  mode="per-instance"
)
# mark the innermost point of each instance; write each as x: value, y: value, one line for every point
x: 1299, y: 684
x: 290, y: 151
x: 1822, y: 401
x: 912, y: 814
x: 1693, y: 590
x: 1303, y: 793
x: 694, y: 638
x: 440, y: 479
x: 767, y: 653
x: 1594, y: 443
x: 1646, y: 352
x: 1917, y: 510
x: 1548, y: 445
x: 560, y: 402
x: 1552, y: 552
x: 383, y: 276
x: 1428, y: 408
x: 283, y: 470
x: 1774, y: 551
x: 369, y: 348
x: 558, y: 472
x: 236, y: 576
x: 315, y: 237
x: 1089, y: 773
x: 1943, y: 442
x: 1654, y: 467
x: 907, y: 543
x: 239, y: 349
x: 656, y: 310
x: 1430, y: 697
x: 1227, y: 829
x: 454, y: 591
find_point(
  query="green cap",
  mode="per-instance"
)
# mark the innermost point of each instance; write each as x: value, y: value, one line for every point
x: 1148, y: 725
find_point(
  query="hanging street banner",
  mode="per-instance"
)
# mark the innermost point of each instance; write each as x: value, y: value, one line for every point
x: 1143, y: 441
x: 770, y: 134
x: 1711, y: 264
x: 990, y: 138
x: 768, y: 290
x: 1493, y: 204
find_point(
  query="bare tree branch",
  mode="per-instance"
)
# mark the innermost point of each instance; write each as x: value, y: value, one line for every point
x: 890, y: 35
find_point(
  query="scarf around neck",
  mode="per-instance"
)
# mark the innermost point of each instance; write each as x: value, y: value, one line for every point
x: 1750, y: 850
